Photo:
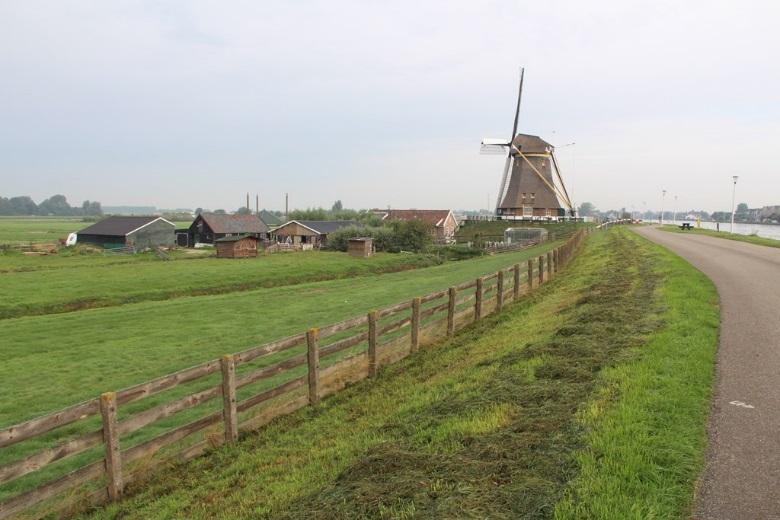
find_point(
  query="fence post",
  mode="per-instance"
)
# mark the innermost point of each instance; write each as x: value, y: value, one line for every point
x: 516, y: 286
x: 451, y: 311
x: 313, y: 358
x: 478, y: 300
x: 372, y: 361
x: 415, y: 324
x: 229, y: 413
x: 500, y: 291
x: 541, y: 269
x: 111, y: 440
x: 530, y: 275
x: 549, y: 265
x: 556, y: 259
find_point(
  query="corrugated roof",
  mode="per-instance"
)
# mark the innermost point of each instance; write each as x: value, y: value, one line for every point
x: 234, y: 223
x: 434, y: 217
x: 119, y: 225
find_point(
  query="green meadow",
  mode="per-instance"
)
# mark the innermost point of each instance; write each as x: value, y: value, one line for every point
x: 587, y: 399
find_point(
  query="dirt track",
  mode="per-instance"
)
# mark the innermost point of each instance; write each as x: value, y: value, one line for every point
x: 742, y: 477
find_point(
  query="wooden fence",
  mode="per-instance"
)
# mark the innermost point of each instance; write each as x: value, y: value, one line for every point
x: 239, y: 392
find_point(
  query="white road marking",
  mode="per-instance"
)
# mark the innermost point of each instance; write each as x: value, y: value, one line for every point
x: 741, y: 404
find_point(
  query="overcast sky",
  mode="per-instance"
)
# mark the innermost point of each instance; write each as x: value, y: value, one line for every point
x: 194, y: 103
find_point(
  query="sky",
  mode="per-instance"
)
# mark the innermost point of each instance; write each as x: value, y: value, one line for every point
x: 195, y: 103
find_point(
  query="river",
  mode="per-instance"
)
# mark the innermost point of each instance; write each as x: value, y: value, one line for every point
x: 762, y: 230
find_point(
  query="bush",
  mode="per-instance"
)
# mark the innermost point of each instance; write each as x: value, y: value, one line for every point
x: 414, y: 236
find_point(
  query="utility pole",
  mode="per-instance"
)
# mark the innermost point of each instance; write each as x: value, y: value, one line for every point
x: 733, y: 199
x: 661, y: 216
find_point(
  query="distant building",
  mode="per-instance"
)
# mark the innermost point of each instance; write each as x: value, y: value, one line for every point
x: 209, y: 227
x: 239, y: 246
x: 313, y: 233
x: 443, y: 221
x: 137, y: 232
x: 269, y: 219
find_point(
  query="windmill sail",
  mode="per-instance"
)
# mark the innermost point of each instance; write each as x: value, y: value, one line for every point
x: 528, y: 189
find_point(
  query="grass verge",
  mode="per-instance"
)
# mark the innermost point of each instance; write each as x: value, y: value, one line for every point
x: 751, y: 239
x: 502, y: 421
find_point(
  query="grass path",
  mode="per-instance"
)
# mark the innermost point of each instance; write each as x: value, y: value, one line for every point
x: 558, y: 407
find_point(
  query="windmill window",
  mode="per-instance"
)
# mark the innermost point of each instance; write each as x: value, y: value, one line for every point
x: 533, y: 196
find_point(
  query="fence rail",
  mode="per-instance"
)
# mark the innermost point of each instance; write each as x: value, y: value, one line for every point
x: 276, y: 378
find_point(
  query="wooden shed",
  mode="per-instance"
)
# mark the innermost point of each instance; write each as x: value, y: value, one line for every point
x: 361, y: 247
x: 241, y: 246
x: 135, y: 233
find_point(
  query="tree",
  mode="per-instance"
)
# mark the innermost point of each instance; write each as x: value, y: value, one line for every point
x: 198, y: 211
x: 55, y: 205
x: 22, y: 206
x: 337, y: 206
x: 220, y: 211
x: 243, y: 210
x: 742, y: 208
x: 91, y: 208
x: 586, y: 209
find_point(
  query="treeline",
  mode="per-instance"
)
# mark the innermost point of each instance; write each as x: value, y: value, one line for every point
x: 56, y: 205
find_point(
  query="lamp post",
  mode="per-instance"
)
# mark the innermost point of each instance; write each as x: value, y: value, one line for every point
x: 661, y: 216
x: 733, y: 199
x: 674, y: 215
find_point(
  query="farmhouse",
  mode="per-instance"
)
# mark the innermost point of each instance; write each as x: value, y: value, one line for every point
x: 238, y: 246
x: 311, y: 233
x: 135, y: 232
x: 443, y: 221
x: 209, y: 227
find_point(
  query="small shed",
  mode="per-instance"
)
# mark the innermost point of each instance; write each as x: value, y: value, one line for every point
x: 240, y: 246
x: 136, y: 233
x: 361, y: 247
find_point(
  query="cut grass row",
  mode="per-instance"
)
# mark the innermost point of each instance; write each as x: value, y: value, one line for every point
x: 89, y: 286
x: 507, y: 420
x: 82, y: 354
x: 751, y: 239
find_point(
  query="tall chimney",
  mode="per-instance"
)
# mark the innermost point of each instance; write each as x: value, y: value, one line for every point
x: 257, y: 203
x: 286, y: 205
x: 247, y: 200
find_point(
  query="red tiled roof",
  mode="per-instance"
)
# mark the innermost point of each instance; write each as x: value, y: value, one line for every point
x: 435, y: 217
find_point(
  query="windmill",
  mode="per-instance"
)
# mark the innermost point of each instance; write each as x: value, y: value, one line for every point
x: 528, y: 189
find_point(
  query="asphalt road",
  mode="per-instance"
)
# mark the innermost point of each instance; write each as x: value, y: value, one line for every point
x: 742, y: 477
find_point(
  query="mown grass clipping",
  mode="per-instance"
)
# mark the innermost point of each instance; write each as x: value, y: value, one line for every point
x: 586, y: 400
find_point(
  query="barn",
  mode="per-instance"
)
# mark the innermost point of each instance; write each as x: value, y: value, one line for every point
x: 310, y: 233
x: 239, y: 246
x: 134, y: 232
x: 361, y: 247
x: 209, y: 227
x: 443, y: 221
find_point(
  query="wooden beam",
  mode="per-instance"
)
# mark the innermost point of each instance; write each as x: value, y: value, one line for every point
x: 313, y: 359
x: 229, y: 413
x: 113, y: 459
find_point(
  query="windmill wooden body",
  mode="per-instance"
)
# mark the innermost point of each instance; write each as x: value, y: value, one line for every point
x: 529, y: 190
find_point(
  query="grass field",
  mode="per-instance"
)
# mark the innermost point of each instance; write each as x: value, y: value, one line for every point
x: 83, y: 284
x: 84, y: 353
x: 752, y: 239
x: 586, y: 400
x: 26, y: 230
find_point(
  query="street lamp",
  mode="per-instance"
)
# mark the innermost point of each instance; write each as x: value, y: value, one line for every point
x: 661, y: 217
x: 733, y: 199
x: 674, y: 215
